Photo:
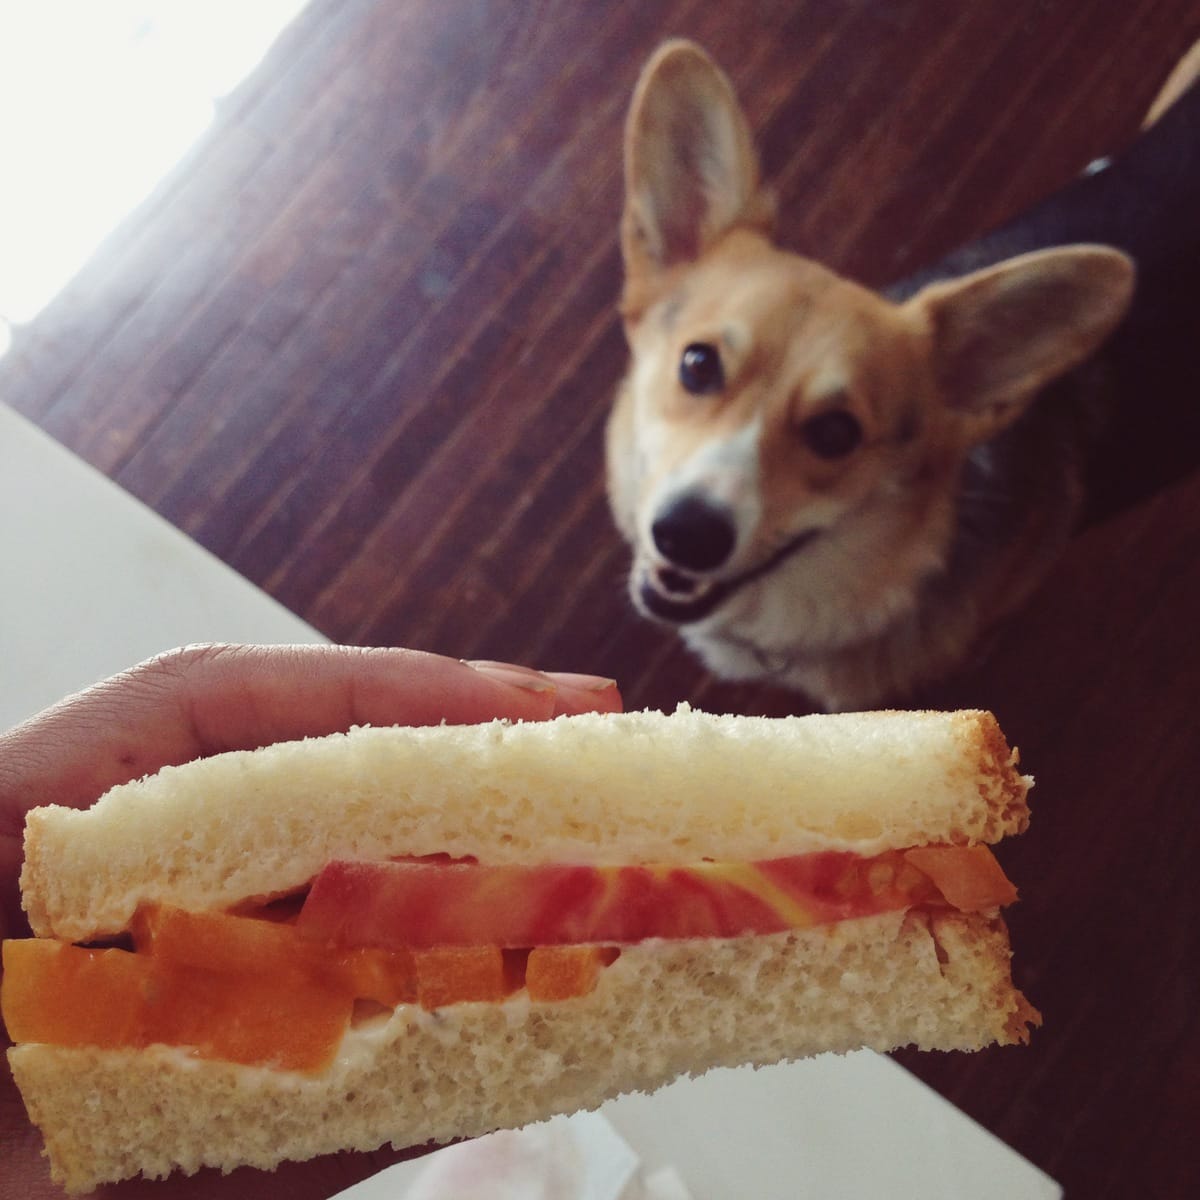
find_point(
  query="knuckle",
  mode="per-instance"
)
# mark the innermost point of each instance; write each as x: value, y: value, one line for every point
x: 180, y: 663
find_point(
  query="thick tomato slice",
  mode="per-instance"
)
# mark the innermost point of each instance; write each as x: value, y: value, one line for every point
x: 421, y: 905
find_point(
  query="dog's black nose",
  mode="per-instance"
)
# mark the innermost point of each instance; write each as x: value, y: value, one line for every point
x: 694, y: 533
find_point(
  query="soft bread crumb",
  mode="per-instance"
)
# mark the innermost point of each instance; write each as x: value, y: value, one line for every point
x: 615, y: 788
x: 662, y: 1009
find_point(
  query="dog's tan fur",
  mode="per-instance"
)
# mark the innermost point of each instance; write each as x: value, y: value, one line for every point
x: 872, y: 604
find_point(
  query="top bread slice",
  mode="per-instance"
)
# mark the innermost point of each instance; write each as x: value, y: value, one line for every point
x: 598, y: 788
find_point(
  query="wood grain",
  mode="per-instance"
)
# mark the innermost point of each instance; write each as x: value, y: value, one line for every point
x: 362, y: 342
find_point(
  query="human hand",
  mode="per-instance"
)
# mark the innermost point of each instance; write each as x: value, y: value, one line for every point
x: 203, y: 700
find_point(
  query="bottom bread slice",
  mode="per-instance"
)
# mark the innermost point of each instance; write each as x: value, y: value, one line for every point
x: 663, y: 1009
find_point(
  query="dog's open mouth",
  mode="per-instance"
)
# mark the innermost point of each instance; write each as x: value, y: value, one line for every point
x: 680, y: 599
x: 666, y: 594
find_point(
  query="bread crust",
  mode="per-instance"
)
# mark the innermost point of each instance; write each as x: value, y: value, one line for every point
x: 664, y: 1008
x: 614, y: 788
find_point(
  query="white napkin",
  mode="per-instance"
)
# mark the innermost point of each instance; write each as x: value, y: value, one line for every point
x: 566, y: 1158
x: 834, y: 1127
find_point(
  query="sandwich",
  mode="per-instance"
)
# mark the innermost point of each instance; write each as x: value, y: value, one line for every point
x: 415, y: 935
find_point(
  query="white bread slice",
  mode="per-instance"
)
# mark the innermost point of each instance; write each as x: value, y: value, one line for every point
x: 662, y: 1009
x: 635, y: 787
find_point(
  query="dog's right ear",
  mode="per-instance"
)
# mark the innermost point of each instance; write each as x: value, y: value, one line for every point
x: 691, y: 171
x: 1001, y: 334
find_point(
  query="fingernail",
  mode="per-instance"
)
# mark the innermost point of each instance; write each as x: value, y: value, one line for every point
x: 514, y: 676
x: 582, y: 683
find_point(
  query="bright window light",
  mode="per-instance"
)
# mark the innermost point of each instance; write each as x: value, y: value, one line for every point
x: 97, y: 102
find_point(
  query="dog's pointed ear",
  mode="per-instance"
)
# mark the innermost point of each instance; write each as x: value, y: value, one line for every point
x: 1001, y: 334
x: 691, y: 171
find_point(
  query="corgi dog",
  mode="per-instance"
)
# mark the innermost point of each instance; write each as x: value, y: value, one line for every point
x: 824, y: 487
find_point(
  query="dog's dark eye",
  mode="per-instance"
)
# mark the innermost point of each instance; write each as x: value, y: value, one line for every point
x: 832, y: 434
x: 700, y: 369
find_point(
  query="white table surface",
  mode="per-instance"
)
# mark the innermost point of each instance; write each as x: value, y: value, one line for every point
x: 94, y: 582
x: 91, y: 581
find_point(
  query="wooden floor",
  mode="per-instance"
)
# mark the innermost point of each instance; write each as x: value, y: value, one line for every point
x: 361, y: 345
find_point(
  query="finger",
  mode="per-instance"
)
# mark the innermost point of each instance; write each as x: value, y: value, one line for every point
x: 240, y: 697
x: 208, y: 699
x: 584, y: 693
x: 572, y: 693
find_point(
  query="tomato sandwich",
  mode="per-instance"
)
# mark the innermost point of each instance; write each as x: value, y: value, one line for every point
x: 414, y: 935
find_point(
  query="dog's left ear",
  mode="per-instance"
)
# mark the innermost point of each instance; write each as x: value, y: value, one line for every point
x: 691, y: 171
x: 1001, y: 334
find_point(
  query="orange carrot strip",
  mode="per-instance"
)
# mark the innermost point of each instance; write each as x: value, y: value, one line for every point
x: 388, y: 977
x: 563, y: 972
x: 73, y: 996
x: 453, y: 974
x: 219, y: 941
x: 969, y: 877
x: 69, y: 996
x: 284, y: 1021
